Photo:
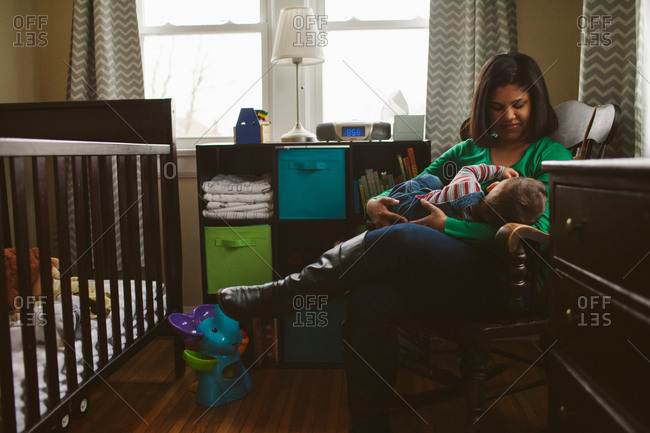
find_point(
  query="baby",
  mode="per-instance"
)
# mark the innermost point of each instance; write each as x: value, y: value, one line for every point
x: 515, y: 199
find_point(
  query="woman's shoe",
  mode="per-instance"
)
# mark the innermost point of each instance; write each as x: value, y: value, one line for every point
x: 332, y: 275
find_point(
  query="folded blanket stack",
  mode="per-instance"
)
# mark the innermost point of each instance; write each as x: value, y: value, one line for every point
x: 231, y: 196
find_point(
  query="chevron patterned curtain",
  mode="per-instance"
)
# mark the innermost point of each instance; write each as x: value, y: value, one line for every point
x: 463, y: 34
x: 608, y: 65
x: 642, y: 115
x: 105, y: 63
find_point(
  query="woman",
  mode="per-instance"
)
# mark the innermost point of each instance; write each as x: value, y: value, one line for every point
x: 425, y: 267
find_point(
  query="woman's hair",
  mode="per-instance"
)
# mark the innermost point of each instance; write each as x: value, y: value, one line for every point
x: 520, y: 70
x: 517, y: 200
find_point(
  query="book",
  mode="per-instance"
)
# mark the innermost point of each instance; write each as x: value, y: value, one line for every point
x: 366, y: 188
x: 378, y: 183
x: 408, y: 168
x: 356, y: 197
x: 391, y: 180
x: 363, y: 197
x: 400, y: 161
x: 370, y: 177
x: 412, y: 159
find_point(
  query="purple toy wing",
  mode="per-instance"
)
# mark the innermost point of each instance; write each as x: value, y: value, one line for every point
x: 184, y: 326
x: 201, y: 313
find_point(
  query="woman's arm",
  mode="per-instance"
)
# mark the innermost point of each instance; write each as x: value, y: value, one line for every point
x: 377, y: 207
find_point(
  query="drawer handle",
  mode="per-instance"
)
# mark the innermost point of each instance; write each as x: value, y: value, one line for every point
x: 568, y: 226
x: 308, y: 165
x: 234, y: 243
x: 564, y: 412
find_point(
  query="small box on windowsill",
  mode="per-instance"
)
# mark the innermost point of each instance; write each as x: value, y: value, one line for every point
x: 250, y: 129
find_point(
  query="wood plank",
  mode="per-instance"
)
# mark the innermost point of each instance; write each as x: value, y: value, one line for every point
x: 46, y: 147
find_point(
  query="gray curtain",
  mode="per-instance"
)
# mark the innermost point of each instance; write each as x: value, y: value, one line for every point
x: 463, y: 34
x: 642, y: 101
x: 608, y: 66
x: 105, y: 63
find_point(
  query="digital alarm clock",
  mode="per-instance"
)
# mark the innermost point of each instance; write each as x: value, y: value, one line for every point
x: 353, y: 131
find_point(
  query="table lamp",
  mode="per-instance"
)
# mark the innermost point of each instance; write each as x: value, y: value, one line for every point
x: 297, y: 42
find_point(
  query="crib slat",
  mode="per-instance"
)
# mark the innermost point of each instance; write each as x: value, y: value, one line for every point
x: 6, y: 380
x: 134, y: 237
x: 157, y: 244
x: 19, y: 195
x: 63, y: 238
x: 47, y: 298
x: 149, y: 236
x: 98, y: 256
x: 127, y: 259
x: 84, y: 256
x: 4, y: 210
x: 108, y: 216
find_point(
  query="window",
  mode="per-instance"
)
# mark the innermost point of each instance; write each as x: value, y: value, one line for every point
x: 206, y: 55
x: 374, y: 49
x: 213, y: 58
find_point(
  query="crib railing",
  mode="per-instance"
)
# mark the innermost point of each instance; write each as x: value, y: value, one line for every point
x: 112, y: 190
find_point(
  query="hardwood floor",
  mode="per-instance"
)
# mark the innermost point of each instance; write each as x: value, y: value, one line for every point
x: 145, y: 396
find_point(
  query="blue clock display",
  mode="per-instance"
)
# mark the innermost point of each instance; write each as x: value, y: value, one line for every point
x: 354, y: 131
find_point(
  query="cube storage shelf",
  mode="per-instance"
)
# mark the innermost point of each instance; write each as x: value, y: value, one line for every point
x: 313, y: 199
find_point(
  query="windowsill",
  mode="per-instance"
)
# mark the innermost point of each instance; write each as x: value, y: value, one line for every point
x: 186, y: 162
x: 186, y: 153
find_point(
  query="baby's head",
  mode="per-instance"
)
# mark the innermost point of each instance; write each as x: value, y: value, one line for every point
x: 515, y: 200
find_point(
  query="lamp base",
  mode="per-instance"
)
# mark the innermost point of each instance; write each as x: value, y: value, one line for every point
x: 298, y: 134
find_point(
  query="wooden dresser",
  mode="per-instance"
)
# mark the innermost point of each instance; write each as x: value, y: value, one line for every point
x: 599, y: 363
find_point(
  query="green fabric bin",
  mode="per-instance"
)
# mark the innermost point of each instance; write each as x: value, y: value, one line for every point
x: 236, y: 256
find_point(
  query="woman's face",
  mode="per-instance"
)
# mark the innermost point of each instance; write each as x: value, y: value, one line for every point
x: 509, y: 111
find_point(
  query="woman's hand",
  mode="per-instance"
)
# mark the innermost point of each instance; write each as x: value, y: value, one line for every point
x: 436, y: 220
x: 377, y: 210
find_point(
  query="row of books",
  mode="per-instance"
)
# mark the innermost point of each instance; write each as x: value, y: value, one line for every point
x: 407, y: 165
x: 373, y: 183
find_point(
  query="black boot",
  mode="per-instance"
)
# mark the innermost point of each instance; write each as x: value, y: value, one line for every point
x: 332, y: 274
x: 371, y: 362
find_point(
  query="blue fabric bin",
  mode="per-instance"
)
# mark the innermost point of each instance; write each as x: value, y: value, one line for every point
x: 311, y: 183
x: 315, y: 334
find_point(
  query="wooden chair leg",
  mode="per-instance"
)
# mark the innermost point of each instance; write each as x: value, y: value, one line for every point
x: 478, y: 360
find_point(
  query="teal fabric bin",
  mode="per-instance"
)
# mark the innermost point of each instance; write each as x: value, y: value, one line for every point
x: 311, y: 183
x: 315, y: 334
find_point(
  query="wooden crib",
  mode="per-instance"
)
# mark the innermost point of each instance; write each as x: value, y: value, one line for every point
x: 112, y: 166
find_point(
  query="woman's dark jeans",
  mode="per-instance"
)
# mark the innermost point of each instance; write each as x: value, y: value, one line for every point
x: 416, y: 272
x: 424, y: 273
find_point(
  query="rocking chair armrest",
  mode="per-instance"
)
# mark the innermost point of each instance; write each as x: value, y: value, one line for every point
x: 510, y: 236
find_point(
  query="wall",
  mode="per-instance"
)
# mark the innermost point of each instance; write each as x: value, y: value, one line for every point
x: 31, y: 74
x: 189, y: 204
x: 548, y: 32
x: 19, y: 72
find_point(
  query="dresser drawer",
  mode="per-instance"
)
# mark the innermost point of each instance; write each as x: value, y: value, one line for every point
x: 608, y: 334
x: 606, y: 232
x: 577, y: 404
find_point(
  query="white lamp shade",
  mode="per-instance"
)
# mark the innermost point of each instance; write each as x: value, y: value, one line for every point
x: 297, y: 36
